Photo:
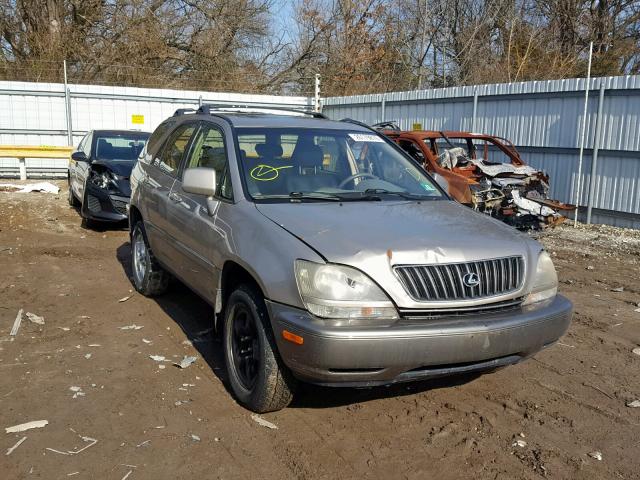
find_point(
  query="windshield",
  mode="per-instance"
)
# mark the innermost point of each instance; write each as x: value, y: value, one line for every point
x: 120, y: 146
x: 302, y: 163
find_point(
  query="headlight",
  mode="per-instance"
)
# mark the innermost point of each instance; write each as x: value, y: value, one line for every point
x: 104, y: 179
x: 545, y: 282
x: 336, y: 291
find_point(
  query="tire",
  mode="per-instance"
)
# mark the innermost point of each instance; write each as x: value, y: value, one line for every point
x: 73, y: 201
x: 149, y: 278
x: 260, y: 380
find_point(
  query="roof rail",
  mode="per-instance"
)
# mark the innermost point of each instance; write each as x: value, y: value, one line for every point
x: 356, y: 122
x: 182, y: 111
x: 210, y: 108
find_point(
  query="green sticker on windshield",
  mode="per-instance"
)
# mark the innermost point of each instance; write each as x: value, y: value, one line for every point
x: 428, y: 187
x: 266, y: 173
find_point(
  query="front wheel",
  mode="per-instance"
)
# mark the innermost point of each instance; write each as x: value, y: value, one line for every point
x: 257, y: 375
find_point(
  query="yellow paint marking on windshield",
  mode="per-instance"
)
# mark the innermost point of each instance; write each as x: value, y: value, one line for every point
x: 266, y: 173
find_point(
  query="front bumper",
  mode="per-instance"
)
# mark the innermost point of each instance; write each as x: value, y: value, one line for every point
x: 413, y: 350
x: 98, y: 204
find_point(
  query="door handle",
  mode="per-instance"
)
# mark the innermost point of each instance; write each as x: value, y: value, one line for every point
x: 174, y: 197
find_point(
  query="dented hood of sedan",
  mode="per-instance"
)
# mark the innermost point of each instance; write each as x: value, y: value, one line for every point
x: 400, y: 232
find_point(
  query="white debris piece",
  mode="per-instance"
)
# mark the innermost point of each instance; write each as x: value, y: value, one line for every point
x: 32, y: 187
x: 127, y: 475
x: 265, y: 423
x: 597, y: 455
x: 35, y: 318
x: 195, y: 438
x: 527, y: 205
x: 124, y: 299
x: 87, y: 356
x: 77, y: 392
x: 157, y: 358
x: 186, y: 361
x: 89, y: 440
x: 131, y: 327
x: 519, y: 443
x: 634, y: 404
x: 16, y: 324
x: 636, y: 351
x: 10, y: 450
x: 27, y: 426
x: 148, y: 342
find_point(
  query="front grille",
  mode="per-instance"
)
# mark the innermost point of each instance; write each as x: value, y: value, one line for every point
x: 412, y: 314
x: 447, y: 281
x: 120, y: 206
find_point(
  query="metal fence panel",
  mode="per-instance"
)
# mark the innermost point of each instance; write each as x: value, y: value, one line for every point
x: 544, y: 120
x: 35, y: 113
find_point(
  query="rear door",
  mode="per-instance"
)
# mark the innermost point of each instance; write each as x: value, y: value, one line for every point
x: 194, y: 219
x: 162, y: 173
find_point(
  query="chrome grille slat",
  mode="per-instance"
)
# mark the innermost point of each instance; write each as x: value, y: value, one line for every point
x: 442, y: 282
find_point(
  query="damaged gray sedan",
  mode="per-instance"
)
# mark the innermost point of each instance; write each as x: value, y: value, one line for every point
x: 330, y: 256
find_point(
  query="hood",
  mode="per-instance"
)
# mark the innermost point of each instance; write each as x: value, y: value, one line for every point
x: 119, y: 167
x: 375, y: 236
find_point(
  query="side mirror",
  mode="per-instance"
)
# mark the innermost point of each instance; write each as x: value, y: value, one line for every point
x: 79, y: 156
x: 201, y: 181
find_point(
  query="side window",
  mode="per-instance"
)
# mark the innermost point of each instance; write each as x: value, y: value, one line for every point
x: 209, y: 151
x: 171, y: 155
x: 86, y: 146
x: 154, y: 142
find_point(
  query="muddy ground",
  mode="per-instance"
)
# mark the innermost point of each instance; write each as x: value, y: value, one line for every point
x: 139, y: 420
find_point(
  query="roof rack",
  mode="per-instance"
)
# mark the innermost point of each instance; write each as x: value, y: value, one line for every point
x: 209, y: 108
x: 182, y: 111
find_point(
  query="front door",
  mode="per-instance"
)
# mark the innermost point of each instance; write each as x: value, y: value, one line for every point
x: 194, y: 218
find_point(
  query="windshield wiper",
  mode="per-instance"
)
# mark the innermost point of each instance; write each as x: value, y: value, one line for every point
x: 314, y: 196
x: 407, y: 195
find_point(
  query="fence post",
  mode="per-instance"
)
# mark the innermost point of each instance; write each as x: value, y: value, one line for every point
x: 316, y: 93
x: 475, y: 109
x: 383, y: 108
x: 199, y: 101
x: 67, y: 106
x: 22, y: 164
x: 596, y: 147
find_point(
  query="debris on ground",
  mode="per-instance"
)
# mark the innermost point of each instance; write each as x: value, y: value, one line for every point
x: 618, y: 289
x: 27, y: 426
x: 186, y: 361
x: 16, y: 324
x: 124, y: 299
x: 195, y: 438
x: 634, y: 404
x: 519, y: 443
x: 87, y: 356
x: 636, y: 351
x: 148, y: 342
x: 75, y: 451
x: 131, y: 327
x: 590, y: 267
x: 157, y: 358
x: 45, y: 187
x: 77, y: 392
x: 265, y: 423
x: 35, y: 318
x: 597, y: 455
x: 11, y: 449
x: 143, y: 444
x: 127, y: 475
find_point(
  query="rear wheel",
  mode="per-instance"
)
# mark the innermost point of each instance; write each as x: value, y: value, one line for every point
x: 149, y: 277
x: 257, y: 375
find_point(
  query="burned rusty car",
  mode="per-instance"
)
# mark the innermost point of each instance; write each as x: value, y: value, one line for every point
x: 485, y: 173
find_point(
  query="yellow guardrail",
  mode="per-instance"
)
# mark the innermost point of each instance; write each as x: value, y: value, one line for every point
x: 22, y: 152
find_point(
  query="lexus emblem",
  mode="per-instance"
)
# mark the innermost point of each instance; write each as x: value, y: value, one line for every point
x: 471, y: 280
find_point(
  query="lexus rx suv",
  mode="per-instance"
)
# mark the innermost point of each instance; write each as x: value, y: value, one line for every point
x: 330, y: 256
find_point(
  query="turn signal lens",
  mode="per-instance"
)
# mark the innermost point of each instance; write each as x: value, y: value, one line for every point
x: 292, y: 337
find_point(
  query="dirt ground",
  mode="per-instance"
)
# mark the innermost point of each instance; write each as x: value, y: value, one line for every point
x: 141, y: 421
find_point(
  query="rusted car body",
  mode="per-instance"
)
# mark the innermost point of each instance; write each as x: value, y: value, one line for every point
x: 485, y: 173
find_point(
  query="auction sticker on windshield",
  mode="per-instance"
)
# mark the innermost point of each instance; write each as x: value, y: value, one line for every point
x: 365, y: 137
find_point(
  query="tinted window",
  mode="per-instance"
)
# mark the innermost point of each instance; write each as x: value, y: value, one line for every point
x: 174, y: 149
x: 209, y: 151
x: 86, y: 146
x: 120, y: 146
x: 155, y: 140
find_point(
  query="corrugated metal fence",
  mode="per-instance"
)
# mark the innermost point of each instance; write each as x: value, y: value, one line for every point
x: 46, y: 114
x: 544, y: 120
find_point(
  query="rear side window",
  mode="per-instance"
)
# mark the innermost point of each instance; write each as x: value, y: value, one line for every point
x: 171, y: 155
x: 155, y: 140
